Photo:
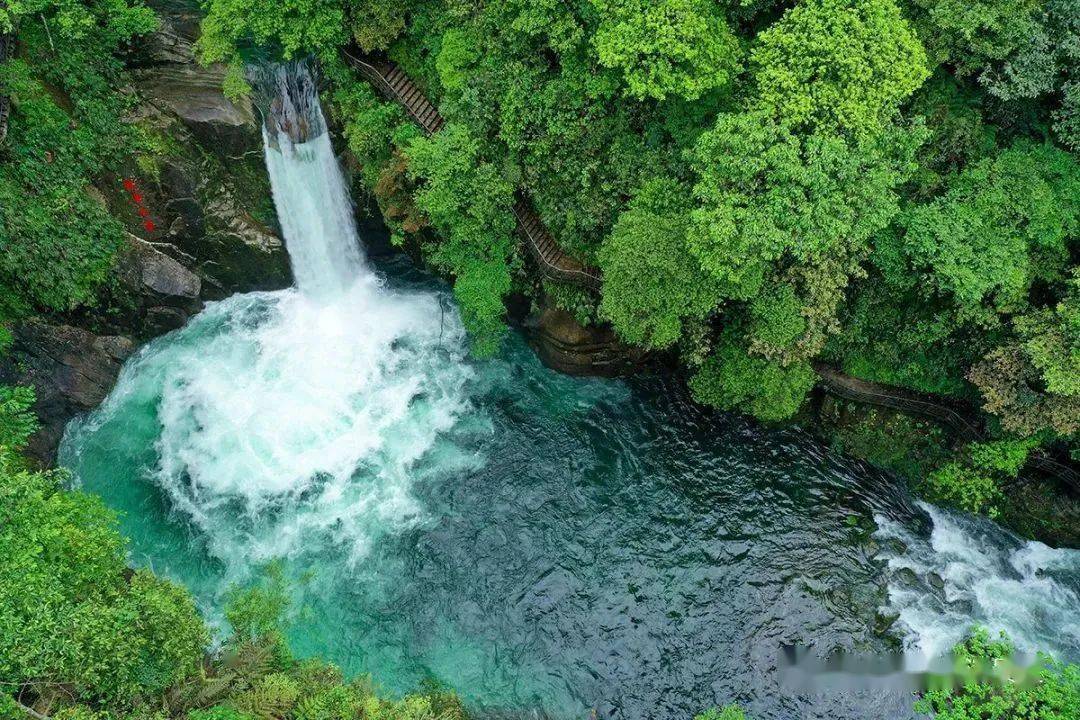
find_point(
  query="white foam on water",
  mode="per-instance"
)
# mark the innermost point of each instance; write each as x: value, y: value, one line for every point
x: 970, y: 571
x: 297, y: 418
x: 315, y: 213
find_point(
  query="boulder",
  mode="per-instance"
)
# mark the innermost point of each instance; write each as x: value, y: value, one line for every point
x: 71, y: 369
x: 566, y: 345
x: 154, y: 273
x: 163, y: 293
x: 166, y: 71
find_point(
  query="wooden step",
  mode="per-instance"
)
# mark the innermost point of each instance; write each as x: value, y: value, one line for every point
x: 541, y: 243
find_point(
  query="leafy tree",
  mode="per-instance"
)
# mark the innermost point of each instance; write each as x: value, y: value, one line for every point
x: 1002, y: 224
x: 1007, y: 382
x: 108, y: 22
x: 459, y: 49
x: 1050, y: 338
x: 1054, y: 694
x: 768, y: 196
x: 1030, y: 383
x: 764, y: 191
x: 669, y: 47
x: 975, y: 481
x: 468, y: 201
x: 17, y: 421
x: 57, y: 240
x: 972, y: 34
x: 777, y: 319
x: 69, y: 616
x: 297, y: 28
x: 375, y: 25
x: 958, y: 133
x: 652, y: 284
x: 731, y: 379
x: 838, y: 65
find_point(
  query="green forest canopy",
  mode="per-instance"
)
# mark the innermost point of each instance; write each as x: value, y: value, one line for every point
x: 888, y: 186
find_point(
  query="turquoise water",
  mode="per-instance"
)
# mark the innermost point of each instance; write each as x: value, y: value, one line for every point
x: 565, y: 544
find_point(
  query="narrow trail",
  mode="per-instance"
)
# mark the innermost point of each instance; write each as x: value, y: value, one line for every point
x: 959, y: 419
x: 555, y: 264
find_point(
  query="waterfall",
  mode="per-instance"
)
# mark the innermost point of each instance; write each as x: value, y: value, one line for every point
x: 297, y: 420
x: 522, y: 535
x: 309, y: 191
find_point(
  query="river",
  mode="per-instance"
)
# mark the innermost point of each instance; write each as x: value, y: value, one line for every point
x: 546, y: 545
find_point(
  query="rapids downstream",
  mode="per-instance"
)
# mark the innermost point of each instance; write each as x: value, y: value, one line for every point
x: 545, y: 545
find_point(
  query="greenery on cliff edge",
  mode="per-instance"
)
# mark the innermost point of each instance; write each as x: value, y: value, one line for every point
x: 889, y: 186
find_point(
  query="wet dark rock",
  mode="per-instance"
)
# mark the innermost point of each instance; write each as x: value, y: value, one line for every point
x: 895, y: 547
x: 906, y: 577
x: 71, y: 370
x: 566, y: 345
x: 205, y: 185
x: 936, y: 581
x: 166, y: 71
x: 160, y: 320
x: 884, y: 620
x: 214, y: 218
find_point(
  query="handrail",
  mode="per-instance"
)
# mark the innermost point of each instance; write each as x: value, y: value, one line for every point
x: 555, y: 267
x: 371, y: 71
x: 589, y: 279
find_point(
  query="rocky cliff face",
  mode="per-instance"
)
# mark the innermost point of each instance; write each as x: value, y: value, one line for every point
x: 201, y: 226
x: 566, y: 345
x: 206, y: 188
x: 71, y: 369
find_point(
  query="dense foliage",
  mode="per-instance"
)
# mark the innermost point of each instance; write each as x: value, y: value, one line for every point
x: 57, y: 240
x: 82, y: 637
x: 891, y: 186
x: 1052, y: 692
x: 887, y: 186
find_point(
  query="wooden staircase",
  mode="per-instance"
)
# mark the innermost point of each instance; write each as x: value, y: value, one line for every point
x: 391, y: 81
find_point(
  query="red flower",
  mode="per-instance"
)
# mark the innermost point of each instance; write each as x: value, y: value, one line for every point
x: 143, y: 212
x: 137, y: 197
x: 129, y: 184
x: 149, y: 226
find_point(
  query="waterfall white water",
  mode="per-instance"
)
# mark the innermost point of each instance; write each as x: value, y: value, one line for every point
x: 313, y: 205
x: 971, y: 571
x: 298, y: 419
x: 307, y: 425
x: 314, y: 211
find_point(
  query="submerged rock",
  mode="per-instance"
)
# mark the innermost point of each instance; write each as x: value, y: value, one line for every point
x: 884, y: 620
x: 566, y: 345
x: 71, y: 369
